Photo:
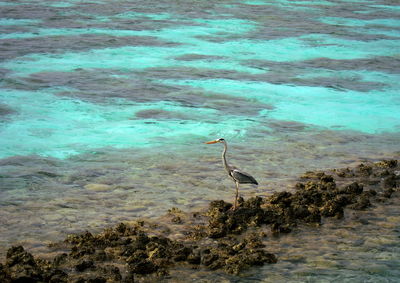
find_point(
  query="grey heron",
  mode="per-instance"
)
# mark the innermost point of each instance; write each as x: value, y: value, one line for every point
x: 238, y: 176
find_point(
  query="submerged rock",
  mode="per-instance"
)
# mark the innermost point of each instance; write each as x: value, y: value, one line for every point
x: 20, y: 266
x: 219, y: 239
x: 98, y: 187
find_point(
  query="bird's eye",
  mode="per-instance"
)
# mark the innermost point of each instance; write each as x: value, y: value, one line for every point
x: 221, y: 139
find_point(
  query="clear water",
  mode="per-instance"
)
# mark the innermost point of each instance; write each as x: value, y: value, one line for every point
x: 105, y: 105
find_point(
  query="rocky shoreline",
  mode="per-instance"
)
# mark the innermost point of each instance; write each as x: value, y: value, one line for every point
x: 217, y: 239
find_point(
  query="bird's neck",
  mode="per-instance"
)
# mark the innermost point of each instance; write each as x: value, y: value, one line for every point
x: 224, y: 157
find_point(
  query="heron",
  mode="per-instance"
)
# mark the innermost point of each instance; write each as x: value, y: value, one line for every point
x: 238, y: 176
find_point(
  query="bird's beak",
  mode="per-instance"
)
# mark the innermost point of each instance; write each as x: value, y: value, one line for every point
x: 211, y: 142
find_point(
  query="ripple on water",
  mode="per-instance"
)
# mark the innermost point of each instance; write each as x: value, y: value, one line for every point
x: 124, y: 95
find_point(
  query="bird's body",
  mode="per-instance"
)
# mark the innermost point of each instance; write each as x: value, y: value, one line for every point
x: 238, y: 176
x: 241, y: 177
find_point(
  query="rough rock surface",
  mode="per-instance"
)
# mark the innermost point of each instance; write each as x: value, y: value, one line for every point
x: 220, y: 238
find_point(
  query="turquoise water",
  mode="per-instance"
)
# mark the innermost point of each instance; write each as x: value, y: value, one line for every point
x: 105, y: 105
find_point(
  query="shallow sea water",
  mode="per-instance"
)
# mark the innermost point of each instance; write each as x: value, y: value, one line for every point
x: 105, y: 105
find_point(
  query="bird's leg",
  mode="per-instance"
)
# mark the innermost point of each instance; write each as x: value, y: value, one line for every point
x: 236, y: 197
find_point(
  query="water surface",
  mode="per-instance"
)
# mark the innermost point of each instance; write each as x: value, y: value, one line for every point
x: 105, y: 106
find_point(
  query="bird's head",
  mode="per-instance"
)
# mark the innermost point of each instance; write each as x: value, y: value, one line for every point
x: 216, y: 141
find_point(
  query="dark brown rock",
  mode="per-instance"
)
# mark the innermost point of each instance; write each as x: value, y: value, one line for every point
x: 21, y: 266
x: 81, y: 250
x: 4, y: 276
x: 208, y: 257
x: 388, y: 193
x: 84, y: 264
x: 281, y: 198
x: 59, y: 259
x: 143, y: 266
x: 111, y: 273
x: 363, y: 170
x: 312, y: 175
x: 353, y: 188
x: 194, y: 258
x: 387, y: 163
x: 232, y: 247
x: 362, y: 202
x: 390, y: 181
x: 344, y: 173
x: 331, y: 209
x: 220, y: 205
x: 55, y: 276
x: 181, y: 253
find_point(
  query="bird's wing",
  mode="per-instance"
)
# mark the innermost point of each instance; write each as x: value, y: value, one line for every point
x: 242, y: 177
